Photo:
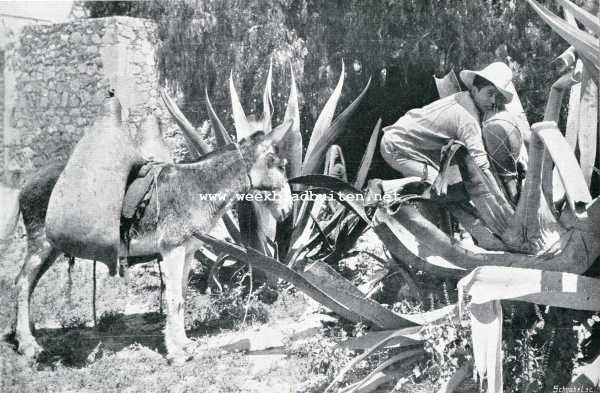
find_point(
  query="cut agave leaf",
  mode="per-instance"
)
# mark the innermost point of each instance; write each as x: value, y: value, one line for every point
x: 557, y: 289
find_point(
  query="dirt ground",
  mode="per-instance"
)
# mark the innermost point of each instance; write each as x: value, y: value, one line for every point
x: 124, y: 352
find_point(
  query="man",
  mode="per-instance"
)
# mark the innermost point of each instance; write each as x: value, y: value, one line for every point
x: 413, y: 144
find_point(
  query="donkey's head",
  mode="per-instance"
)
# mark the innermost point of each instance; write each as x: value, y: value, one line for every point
x: 266, y: 170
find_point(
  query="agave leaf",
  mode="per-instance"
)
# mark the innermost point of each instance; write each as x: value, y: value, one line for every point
x: 266, y: 226
x: 231, y: 226
x: 406, y: 332
x: 221, y: 136
x: 408, y: 247
x: 379, y: 376
x: 270, y: 265
x: 291, y: 146
x: 314, y: 160
x: 490, y: 284
x: 320, y: 232
x: 303, y: 227
x: 267, y: 101
x: 586, y: 44
x: 328, y: 228
x: 588, y: 20
x: 257, y: 226
x: 573, y: 115
x: 196, y: 144
x: 324, y: 120
x: 352, y: 228
x: 367, y: 159
x: 486, y: 335
x: 344, y: 292
x: 344, y: 192
x: 242, y: 126
x: 410, y: 337
x: 573, y: 181
x: 587, y: 137
x: 557, y: 289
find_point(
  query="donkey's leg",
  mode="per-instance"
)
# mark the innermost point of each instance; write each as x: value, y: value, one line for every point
x: 189, y: 258
x: 40, y: 256
x: 175, y: 338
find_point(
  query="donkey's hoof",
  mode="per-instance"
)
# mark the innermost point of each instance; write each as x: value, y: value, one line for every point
x: 30, y: 350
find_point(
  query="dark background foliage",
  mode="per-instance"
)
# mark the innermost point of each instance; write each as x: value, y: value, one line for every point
x: 401, y: 44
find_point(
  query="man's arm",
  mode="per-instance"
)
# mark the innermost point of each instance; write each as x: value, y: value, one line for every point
x: 469, y: 132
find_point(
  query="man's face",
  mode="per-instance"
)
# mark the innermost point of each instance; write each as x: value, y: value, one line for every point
x: 485, y: 98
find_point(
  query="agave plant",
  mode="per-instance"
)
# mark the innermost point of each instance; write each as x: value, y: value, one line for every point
x: 545, y: 247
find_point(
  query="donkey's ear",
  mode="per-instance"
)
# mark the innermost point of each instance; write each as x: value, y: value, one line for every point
x: 280, y: 131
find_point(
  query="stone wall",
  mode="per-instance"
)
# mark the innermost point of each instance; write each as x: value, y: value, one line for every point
x: 1, y: 113
x: 56, y: 77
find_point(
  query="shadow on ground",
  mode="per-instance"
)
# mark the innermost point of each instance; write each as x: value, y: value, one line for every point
x: 78, y: 346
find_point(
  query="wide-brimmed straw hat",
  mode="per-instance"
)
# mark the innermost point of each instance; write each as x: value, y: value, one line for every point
x: 497, y: 73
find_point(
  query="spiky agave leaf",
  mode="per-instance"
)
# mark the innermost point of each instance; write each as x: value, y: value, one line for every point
x: 302, y: 233
x: 267, y: 101
x: 197, y: 146
x: 291, y: 146
x: 200, y: 148
x: 243, y: 128
x: 221, y: 136
x: 367, y: 159
x: 314, y: 160
x: 325, y: 117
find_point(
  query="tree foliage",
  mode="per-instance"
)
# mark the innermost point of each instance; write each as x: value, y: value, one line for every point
x: 402, y: 43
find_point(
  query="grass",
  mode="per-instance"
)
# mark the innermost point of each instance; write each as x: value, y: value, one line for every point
x: 125, y: 351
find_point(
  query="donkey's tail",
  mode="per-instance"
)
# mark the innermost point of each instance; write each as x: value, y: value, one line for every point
x: 9, y: 213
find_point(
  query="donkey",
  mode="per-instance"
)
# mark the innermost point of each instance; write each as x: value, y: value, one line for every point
x: 188, y: 199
